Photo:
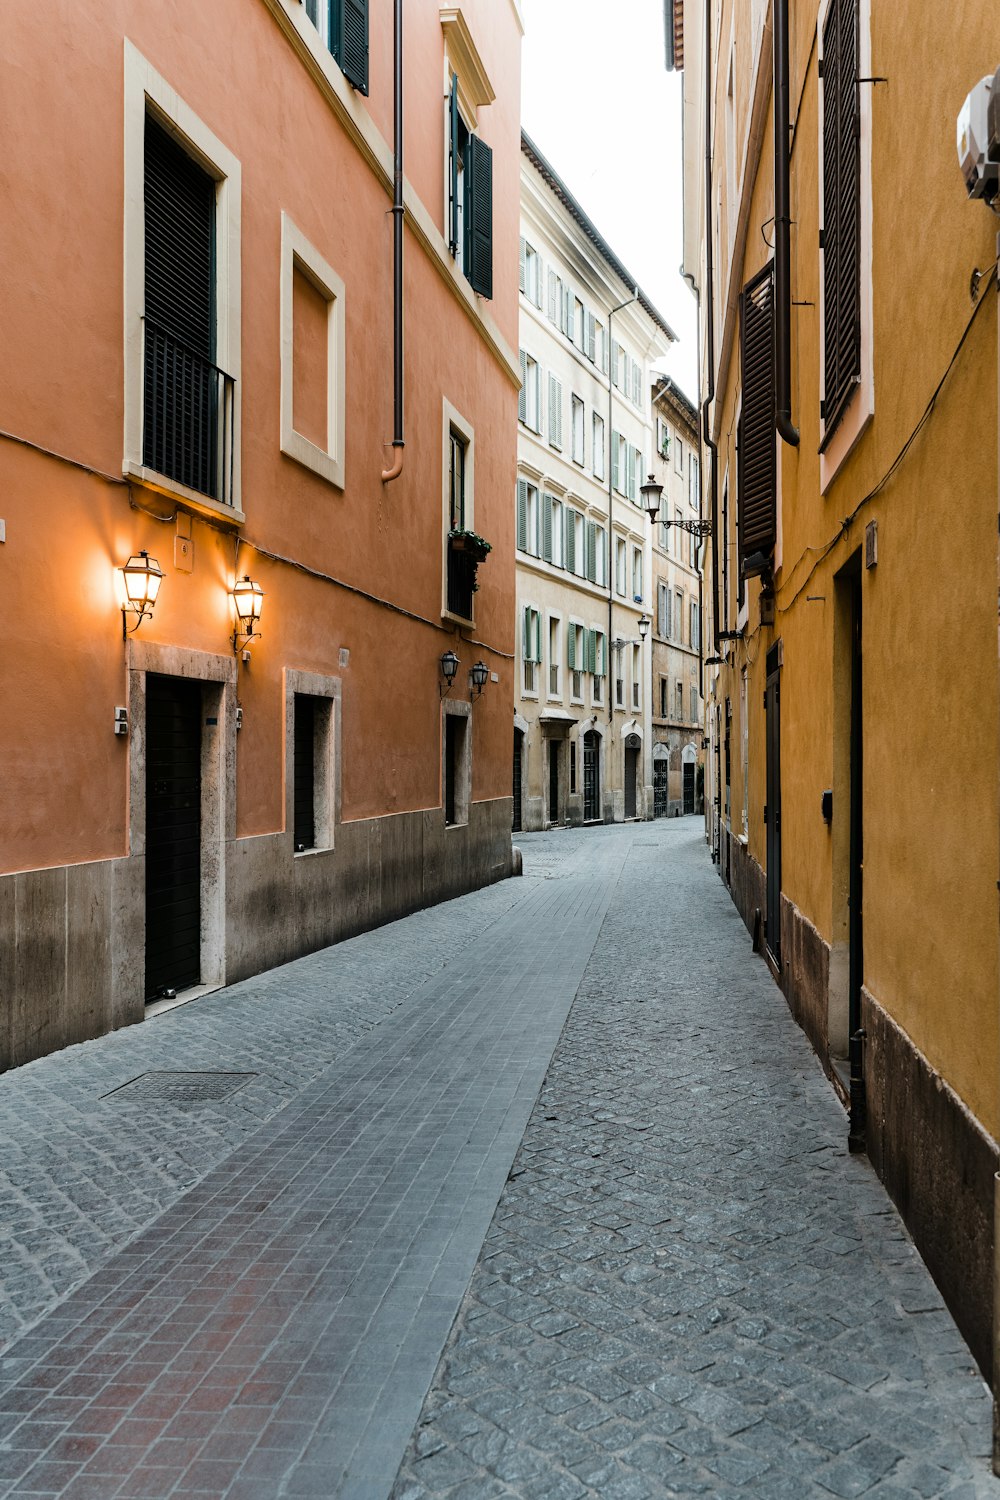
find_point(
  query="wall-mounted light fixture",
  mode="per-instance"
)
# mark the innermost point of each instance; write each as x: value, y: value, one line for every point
x: 142, y: 575
x: 651, y: 493
x: 644, y: 624
x: 248, y: 598
x: 478, y: 673
x: 449, y: 664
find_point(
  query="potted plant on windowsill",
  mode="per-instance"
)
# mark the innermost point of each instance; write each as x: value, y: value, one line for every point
x: 476, y: 547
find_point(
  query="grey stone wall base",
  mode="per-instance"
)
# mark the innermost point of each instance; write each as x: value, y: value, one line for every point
x: 937, y: 1164
x: 72, y: 937
x: 746, y: 880
x: 805, y: 976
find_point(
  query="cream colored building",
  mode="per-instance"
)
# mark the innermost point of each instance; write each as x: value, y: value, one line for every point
x: 677, y: 635
x: 582, y: 723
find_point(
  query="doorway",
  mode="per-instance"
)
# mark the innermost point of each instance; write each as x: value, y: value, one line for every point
x: 173, y: 834
x: 855, y: 963
x: 591, y: 776
x: 772, y: 806
x: 554, y: 748
x: 518, y: 760
x: 631, y: 774
x: 688, y: 788
x: 661, y: 788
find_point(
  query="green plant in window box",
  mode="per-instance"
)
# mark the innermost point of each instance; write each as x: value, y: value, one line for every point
x: 470, y: 542
x: 665, y: 446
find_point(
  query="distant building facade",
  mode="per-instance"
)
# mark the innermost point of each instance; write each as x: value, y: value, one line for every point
x: 678, y: 720
x: 583, y: 720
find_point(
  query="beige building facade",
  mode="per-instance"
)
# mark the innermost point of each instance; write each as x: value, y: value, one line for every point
x: 677, y: 543
x: 588, y: 334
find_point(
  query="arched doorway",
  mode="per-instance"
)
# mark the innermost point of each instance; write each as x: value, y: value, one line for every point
x: 689, y: 771
x: 661, y: 781
x: 591, y: 776
x: 633, y: 744
x: 518, y: 763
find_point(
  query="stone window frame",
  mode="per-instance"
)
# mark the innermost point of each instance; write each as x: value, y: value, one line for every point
x: 327, y: 764
x: 297, y: 253
x: 456, y: 708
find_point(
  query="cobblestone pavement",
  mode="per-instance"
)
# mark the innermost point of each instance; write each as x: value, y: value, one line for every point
x: 680, y: 1284
x: 689, y: 1286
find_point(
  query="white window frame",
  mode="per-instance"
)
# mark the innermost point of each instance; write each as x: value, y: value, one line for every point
x: 326, y: 759
x: 453, y: 421
x: 578, y: 409
x: 558, y: 522
x: 621, y: 567
x: 678, y: 447
x: 597, y: 446
x: 579, y: 544
x: 637, y: 571
x: 298, y: 254
x: 555, y: 657
x: 145, y: 87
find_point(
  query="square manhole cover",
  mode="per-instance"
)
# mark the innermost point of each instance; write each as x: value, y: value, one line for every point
x: 180, y: 1088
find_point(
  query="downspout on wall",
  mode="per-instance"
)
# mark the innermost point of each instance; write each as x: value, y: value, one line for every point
x: 706, y: 422
x: 397, y: 248
x: 782, y: 230
x: 611, y: 515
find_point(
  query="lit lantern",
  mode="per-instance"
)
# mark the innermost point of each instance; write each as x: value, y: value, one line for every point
x: 142, y: 575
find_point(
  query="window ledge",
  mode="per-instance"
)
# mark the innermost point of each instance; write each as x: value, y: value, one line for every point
x: 447, y: 614
x: 187, y: 499
x: 311, y: 853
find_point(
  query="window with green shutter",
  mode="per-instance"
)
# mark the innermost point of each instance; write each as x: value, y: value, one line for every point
x: 349, y: 40
x: 841, y: 236
x: 592, y: 551
x: 479, y: 216
x: 615, y: 461
x: 570, y: 540
x: 571, y: 647
x: 547, y: 503
x: 522, y: 515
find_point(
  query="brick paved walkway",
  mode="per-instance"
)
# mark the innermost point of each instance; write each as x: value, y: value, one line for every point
x: 686, y: 1287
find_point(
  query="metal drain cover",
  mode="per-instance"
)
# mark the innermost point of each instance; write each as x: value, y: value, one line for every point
x: 180, y: 1088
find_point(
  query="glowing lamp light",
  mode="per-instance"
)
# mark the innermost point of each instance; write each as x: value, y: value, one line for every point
x: 142, y: 575
x: 248, y: 598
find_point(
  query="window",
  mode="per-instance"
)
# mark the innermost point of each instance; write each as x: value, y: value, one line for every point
x: 576, y: 656
x: 637, y: 575
x: 678, y: 455
x: 555, y: 297
x: 579, y: 414
x: 600, y: 665
x: 636, y: 676
x: 662, y: 438
x: 694, y: 483
x: 679, y: 615
x: 312, y: 792
x: 841, y: 234
x: 457, y: 763
x: 637, y: 385
x: 619, y: 463
x: 621, y: 565
x: 312, y: 357
x: 531, y: 273
x: 531, y: 647
x: 695, y: 626
x: 663, y: 611
x: 555, y: 412
x: 529, y: 409
x: 579, y: 544
x: 744, y: 750
x: 572, y: 767
x: 457, y: 453
x: 601, y: 346
x: 616, y: 352
x: 458, y: 511
x: 664, y: 535
x: 694, y: 704
x: 527, y: 518
x: 591, y: 341
x: 636, y: 476
x: 182, y: 298
x: 552, y: 530
x: 343, y: 26
x: 554, y: 656
x: 601, y: 548
x: 567, y: 320
x: 470, y: 195
x: 619, y: 685
x: 679, y: 701
x: 598, y: 446
x: 664, y: 698
x: 579, y: 325
x: 756, y: 442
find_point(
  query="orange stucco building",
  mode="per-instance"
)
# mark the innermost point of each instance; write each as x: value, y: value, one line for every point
x: 199, y: 324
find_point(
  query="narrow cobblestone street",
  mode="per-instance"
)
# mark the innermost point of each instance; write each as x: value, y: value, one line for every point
x: 538, y: 1194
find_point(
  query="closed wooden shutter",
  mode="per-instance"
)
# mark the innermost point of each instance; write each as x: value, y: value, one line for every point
x: 547, y: 527
x: 349, y: 40
x: 570, y: 540
x: 841, y: 239
x: 303, y: 800
x: 522, y: 399
x: 522, y: 514
x: 453, y: 155
x: 614, y: 362
x: 591, y: 337
x: 756, y: 475
x: 570, y: 315
x: 553, y: 297
x: 661, y: 612
x: 523, y: 267
x: 479, y: 216
x: 615, y: 465
x: 571, y: 646
x: 555, y: 412
x: 592, y: 551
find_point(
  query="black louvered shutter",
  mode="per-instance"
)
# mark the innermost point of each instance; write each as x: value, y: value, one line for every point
x: 303, y: 799
x: 756, y: 474
x: 841, y: 210
x: 349, y: 40
x: 180, y: 382
x: 479, y: 216
x: 453, y: 152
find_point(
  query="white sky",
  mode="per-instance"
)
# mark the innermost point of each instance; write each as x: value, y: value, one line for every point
x: 599, y: 104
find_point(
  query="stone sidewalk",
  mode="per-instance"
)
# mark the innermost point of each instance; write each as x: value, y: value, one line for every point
x: 670, y: 1279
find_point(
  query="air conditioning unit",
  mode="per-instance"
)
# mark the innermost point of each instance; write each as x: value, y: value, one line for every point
x: 981, y: 173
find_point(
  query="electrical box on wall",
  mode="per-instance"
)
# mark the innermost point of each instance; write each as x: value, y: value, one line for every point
x: 871, y: 544
x: 980, y: 170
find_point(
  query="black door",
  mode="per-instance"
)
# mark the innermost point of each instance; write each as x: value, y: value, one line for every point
x: 772, y: 808
x: 688, y: 770
x: 518, y: 752
x: 554, y: 747
x: 631, y: 775
x: 591, y: 777
x: 661, y: 792
x: 856, y: 1134
x: 173, y: 834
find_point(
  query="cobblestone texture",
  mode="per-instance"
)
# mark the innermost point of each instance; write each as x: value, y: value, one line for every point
x: 81, y: 1174
x: 689, y: 1286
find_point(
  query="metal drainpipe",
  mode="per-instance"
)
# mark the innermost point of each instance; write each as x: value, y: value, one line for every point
x: 710, y: 377
x: 782, y: 224
x: 397, y: 249
x: 611, y: 506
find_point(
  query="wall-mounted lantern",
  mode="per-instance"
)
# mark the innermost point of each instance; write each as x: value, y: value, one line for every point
x: 644, y: 624
x: 651, y: 493
x: 248, y: 598
x: 143, y: 576
x: 479, y: 673
x: 449, y: 664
